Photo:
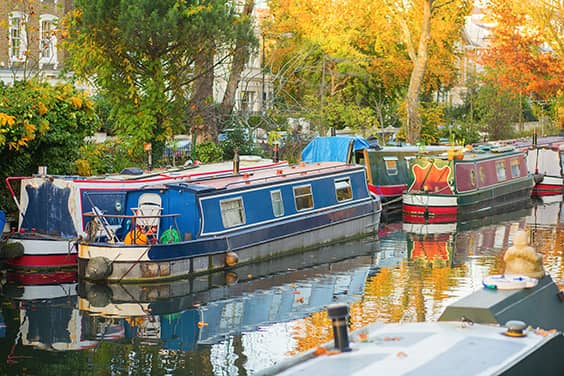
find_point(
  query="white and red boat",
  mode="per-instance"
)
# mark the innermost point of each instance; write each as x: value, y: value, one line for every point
x: 548, y: 161
x: 463, y: 185
x: 52, y: 208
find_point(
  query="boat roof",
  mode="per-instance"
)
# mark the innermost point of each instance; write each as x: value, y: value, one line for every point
x: 263, y: 176
x: 442, y: 348
x: 332, y: 148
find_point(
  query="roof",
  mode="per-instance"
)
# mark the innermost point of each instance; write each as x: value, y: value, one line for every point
x: 332, y: 148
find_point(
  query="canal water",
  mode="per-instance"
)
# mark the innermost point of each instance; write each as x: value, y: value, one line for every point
x: 241, y: 321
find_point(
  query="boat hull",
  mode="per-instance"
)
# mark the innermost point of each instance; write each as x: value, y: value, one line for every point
x: 424, y: 206
x: 44, y: 254
x: 147, y: 263
x: 550, y: 185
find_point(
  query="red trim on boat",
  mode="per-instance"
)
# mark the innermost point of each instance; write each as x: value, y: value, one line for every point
x: 548, y: 189
x: 388, y: 190
x: 43, y: 261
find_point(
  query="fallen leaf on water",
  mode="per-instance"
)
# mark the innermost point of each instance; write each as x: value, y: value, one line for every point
x: 362, y: 337
x: 392, y: 338
x: 544, y: 332
x: 300, y: 299
x: 401, y: 355
x: 201, y: 324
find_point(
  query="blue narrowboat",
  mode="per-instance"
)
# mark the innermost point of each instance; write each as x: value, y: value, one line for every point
x: 51, y: 208
x: 179, y: 229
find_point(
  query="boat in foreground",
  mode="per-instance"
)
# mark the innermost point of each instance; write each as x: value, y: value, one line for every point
x: 51, y: 208
x: 466, y: 185
x: 469, y: 339
x: 183, y: 229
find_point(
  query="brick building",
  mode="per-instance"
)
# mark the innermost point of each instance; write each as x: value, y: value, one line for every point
x: 31, y: 34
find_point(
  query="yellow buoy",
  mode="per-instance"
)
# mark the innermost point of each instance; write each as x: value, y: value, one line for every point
x: 231, y: 259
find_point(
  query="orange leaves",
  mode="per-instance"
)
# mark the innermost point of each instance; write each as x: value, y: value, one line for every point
x: 6, y: 119
x: 518, y: 58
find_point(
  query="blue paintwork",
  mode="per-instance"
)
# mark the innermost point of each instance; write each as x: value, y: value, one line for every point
x: 195, y: 206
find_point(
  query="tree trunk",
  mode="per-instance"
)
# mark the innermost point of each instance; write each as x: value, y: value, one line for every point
x: 419, y: 66
x: 240, y: 55
x: 204, y: 124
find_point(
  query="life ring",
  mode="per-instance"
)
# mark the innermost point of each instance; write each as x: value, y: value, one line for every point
x: 509, y: 282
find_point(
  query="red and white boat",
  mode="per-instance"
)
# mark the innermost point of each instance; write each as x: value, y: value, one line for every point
x: 52, y: 208
x: 548, y: 161
x: 464, y: 185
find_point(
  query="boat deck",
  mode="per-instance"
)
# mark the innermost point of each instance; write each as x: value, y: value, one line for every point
x: 272, y: 174
x: 440, y: 348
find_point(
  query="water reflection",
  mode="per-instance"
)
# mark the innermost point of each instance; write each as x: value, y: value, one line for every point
x: 249, y: 318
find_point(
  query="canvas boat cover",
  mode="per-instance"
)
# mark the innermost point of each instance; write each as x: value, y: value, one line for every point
x: 332, y: 148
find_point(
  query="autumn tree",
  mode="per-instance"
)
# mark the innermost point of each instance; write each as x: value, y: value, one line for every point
x: 429, y: 30
x: 521, y: 59
x: 345, y: 47
x: 42, y: 125
x: 150, y: 56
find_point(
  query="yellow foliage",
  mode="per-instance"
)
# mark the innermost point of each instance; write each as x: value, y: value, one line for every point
x: 76, y: 102
x: 42, y: 108
x: 7, y: 119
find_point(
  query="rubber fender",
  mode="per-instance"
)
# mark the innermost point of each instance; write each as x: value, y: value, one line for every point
x: 11, y: 250
x: 98, y: 268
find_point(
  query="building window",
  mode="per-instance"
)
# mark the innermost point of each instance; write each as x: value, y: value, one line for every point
x: 277, y: 205
x: 247, y: 101
x: 343, y: 189
x: 232, y: 212
x: 48, y: 40
x: 17, y: 37
x: 391, y: 165
x: 303, y: 197
x: 515, y: 168
x: 500, y: 170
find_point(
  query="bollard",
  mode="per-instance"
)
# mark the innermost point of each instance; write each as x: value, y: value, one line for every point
x: 338, y: 313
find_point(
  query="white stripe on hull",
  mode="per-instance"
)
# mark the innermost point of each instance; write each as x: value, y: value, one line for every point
x: 429, y: 200
x: 121, y: 254
x: 37, y: 247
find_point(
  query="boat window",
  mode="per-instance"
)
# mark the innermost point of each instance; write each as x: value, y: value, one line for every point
x: 303, y: 197
x: 515, y: 170
x: 482, y: 173
x: 500, y: 170
x: 391, y: 165
x: 473, y: 178
x: 232, y: 212
x: 343, y: 189
x: 277, y: 205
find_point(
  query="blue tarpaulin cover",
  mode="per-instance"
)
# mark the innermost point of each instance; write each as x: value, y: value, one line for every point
x: 2, y: 221
x: 332, y: 148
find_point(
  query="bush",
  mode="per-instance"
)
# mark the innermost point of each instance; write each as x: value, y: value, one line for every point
x: 207, y: 152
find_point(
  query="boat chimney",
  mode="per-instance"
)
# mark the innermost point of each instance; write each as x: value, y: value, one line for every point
x: 275, y: 153
x: 236, y: 162
x: 42, y: 170
x: 338, y: 313
x: 333, y: 131
x: 535, y: 137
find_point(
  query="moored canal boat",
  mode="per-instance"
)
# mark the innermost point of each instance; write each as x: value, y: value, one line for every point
x: 51, y: 208
x: 464, y: 185
x: 547, y: 160
x: 387, y: 167
x: 186, y: 228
